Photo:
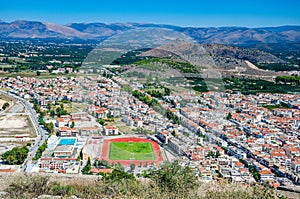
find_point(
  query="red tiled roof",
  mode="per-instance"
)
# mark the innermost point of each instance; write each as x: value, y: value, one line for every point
x: 266, y: 172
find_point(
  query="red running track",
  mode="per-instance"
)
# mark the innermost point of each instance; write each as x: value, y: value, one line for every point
x: 156, y: 149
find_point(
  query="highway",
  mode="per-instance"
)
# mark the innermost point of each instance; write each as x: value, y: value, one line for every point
x: 41, y: 134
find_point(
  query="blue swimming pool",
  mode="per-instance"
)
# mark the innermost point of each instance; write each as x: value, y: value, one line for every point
x: 67, y: 141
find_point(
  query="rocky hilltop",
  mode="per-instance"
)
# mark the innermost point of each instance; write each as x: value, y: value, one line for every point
x: 228, y: 60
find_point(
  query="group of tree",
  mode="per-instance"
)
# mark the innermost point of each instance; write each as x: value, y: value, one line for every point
x: 213, y: 154
x: 288, y: 79
x: 5, y: 105
x: 159, y: 94
x: 40, y: 150
x: 59, y: 111
x: 145, y: 98
x: 256, y: 174
x: 87, y: 168
x: 116, y: 175
x: 155, y: 93
x: 278, y: 66
x: 101, y: 164
x: 36, y: 106
x: 283, y: 84
x: 101, y: 121
x: 172, y: 116
x: 15, y: 156
x: 49, y: 127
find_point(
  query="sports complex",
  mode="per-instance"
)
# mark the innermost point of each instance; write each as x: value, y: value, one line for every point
x: 131, y: 150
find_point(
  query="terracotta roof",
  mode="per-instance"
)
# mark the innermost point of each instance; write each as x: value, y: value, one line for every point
x: 7, y: 170
x: 266, y: 172
x: 238, y: 164
x: 96, y: 170
x: 110, y: 127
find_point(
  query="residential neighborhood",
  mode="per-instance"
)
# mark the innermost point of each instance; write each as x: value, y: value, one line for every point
x: 220, y: 136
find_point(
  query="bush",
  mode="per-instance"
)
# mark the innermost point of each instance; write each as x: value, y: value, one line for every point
x: 61, y: 190
x: 170, y: 181
x: 28, y: 186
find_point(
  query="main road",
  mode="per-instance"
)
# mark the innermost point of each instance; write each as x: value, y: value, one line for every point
x: 41, y: 134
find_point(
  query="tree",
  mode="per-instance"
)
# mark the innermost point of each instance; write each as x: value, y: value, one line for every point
x: 117, y: 176
x: 132, y: 167
x: 174, y: 133
x: 176, y: 179
x: 15, y: 156
x: 49, y: 127
x: 81, y: 154
x: 211, y: 154
x: 119, y: 167
x: 229, y: 116
x: 5, y: 105
x: 101, y: 121
x: 87, y: 168
x: 58, y: 111
x: 11, y: 160
x: 52, y: 113
x: 167, y: 91
x: 38, y: 73
x: 40, y: 150
x: 72, y: 124
x: 139, y: 129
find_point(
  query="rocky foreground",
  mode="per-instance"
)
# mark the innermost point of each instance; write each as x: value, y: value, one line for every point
x: 18, y: 185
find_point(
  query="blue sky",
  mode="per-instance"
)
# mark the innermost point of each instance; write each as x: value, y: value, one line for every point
x: 202, y: 13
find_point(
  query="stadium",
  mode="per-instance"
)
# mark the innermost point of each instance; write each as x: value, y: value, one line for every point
x: 131, y: 150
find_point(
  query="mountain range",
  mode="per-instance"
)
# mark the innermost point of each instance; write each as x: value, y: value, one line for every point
x: 97, y: 31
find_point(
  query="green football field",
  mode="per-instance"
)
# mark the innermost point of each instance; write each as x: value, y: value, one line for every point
x: 131, y: 151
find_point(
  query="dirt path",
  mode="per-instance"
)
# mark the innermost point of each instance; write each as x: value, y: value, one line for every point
x: 253, y: 66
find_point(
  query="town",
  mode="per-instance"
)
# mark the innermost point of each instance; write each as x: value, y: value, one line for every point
x: 220, y: 136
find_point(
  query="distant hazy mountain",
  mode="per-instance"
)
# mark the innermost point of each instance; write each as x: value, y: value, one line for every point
x: 34, y: 29
x: 221, y: 35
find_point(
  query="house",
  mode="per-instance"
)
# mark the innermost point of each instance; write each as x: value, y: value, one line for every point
x: 110, y: 130
x: 60, y: 122
x: 67, y: 132
x: 128, y: 120
x: 296, y: 165
x: 55, y: 163
x: 101, y: 112
x: 237, y: 165
x: 266, y: 175
x: 163, y: 136
x: 89, y: 131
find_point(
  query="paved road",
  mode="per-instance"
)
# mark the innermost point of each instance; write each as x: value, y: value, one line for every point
x: 41, y: 133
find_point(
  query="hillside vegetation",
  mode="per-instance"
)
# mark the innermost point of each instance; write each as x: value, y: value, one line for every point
x: 170, y: 181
